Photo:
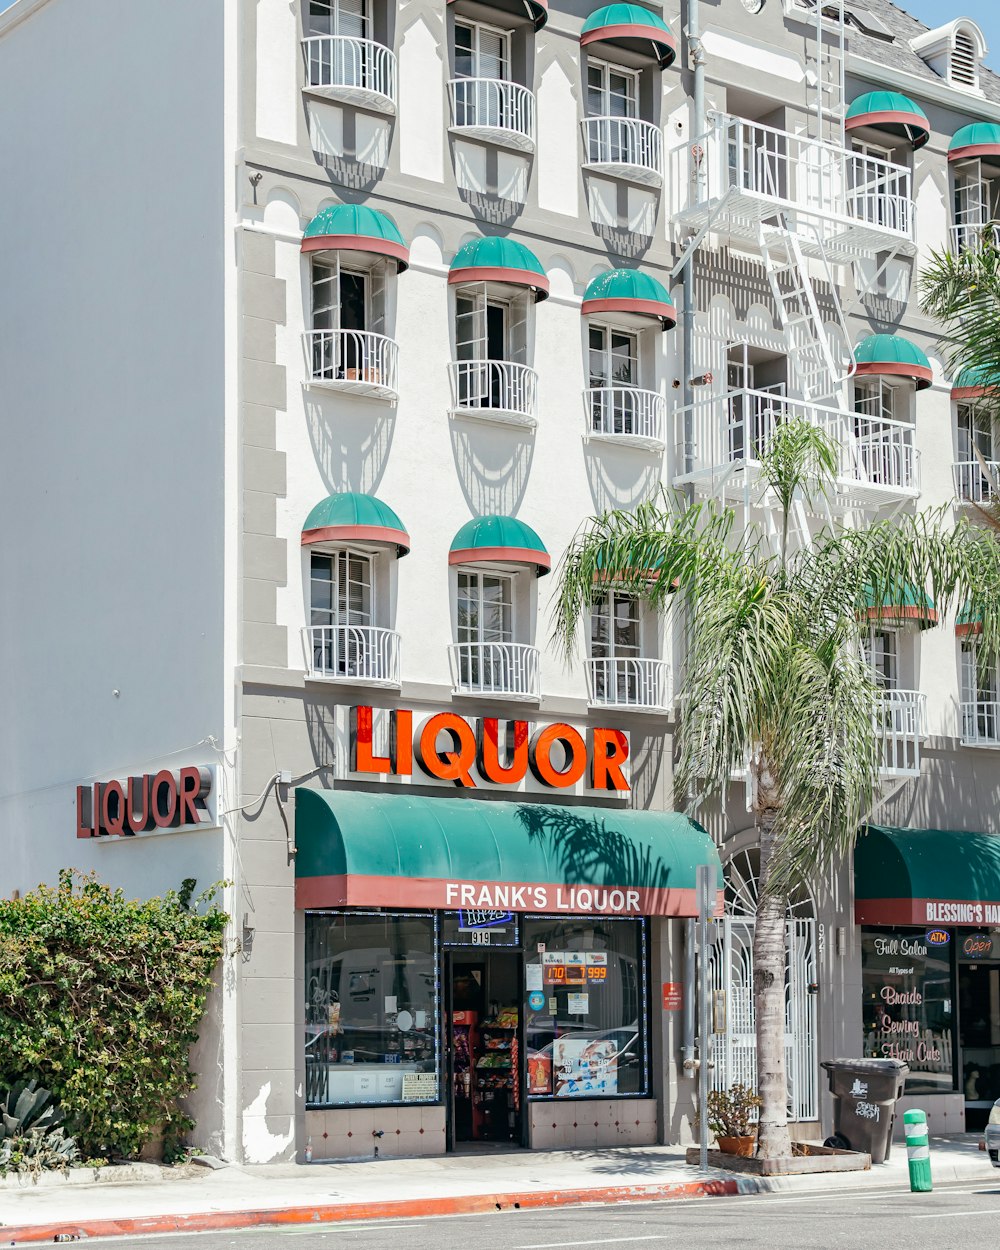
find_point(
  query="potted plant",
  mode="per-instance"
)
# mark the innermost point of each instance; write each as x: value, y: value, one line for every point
x: 729, y: 1112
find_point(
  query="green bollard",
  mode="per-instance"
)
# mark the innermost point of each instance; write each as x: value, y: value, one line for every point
x: 918, y: 1152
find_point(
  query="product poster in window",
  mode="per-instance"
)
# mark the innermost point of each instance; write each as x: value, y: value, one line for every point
x: 585, y: 1066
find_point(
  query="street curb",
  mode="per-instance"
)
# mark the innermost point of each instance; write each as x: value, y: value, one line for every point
x: 407, y: 1208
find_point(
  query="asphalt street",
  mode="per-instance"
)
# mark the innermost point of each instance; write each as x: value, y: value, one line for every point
x: 956, y: 1217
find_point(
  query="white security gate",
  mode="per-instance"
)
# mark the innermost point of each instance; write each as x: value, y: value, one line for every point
x: 735, y: 1050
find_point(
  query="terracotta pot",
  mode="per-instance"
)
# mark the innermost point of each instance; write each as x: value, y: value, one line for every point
x: 742, y: 1146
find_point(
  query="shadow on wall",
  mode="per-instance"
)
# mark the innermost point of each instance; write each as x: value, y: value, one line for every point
x: 648, y: 755
x: 351, y: 447
x: 492, y: 182
x: 321, y: 725
x: 352, y: 147
x: 952, y: 792
x: 621, y: 482
x: 492, y: 465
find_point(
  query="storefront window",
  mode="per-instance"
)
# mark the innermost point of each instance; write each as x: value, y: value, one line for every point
x: 909, y: 1008
x: 585, y: 990
x: 371, y: 1009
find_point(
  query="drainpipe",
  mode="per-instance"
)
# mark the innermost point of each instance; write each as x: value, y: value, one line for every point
x: 696, y: 62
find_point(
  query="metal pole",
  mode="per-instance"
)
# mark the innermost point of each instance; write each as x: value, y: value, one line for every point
x: 690, y: 991
x: 696, y: 62
x: 706, y: 883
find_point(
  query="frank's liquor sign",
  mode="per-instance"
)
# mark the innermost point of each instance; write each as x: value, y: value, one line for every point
x: 486, y: 752
x: 162, y: 802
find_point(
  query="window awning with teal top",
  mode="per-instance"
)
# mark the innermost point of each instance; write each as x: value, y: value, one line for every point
x: 358, y: 849
x: 629, y: 291
x: 968, y: 622
x: 926, y: 877
x: 976, y: 382
x: 890, y: 355
x: 908, y: 605
x: 536, y: 10
x: 979, y: 139
x: 494, y: 258
x: 350, y: 517
x: 892, y: 112
x: 499, y: 540
x: 356, y: 228
x: 636, y: 29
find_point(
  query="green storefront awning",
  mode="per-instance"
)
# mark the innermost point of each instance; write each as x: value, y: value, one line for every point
x: 926, y: 877
x: 360, y: 849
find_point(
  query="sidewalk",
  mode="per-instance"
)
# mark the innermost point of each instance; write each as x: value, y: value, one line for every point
x: 195, y: 1198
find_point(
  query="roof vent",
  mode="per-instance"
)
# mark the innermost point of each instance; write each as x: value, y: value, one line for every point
x: 964, y: 61
x: 955, y: 51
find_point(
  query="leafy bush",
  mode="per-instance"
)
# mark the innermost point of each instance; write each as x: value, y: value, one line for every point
x: 729, y: 1110
x: 32, y: 1137
x: 101, y: 999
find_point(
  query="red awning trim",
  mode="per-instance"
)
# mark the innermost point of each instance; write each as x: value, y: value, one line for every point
x: 489, y: 273
x: 639, y: 307
x: 358, y: 534
x: 904, y: 612
x: 888, y: 117
x: 357, y: 243
x: 501, y: 555
x: 893, y: 369
x: 974, y: 149
x: 630, y: 30
x: 925, y: 911
x: 973, y: 392
x: 438, y: 894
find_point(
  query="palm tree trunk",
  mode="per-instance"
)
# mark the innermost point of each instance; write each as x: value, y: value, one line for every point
x: 773, y: 1140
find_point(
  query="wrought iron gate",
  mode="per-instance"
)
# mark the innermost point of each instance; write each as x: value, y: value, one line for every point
x: 731, y: 970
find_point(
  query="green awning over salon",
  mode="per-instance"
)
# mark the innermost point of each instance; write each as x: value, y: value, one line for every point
x: 926, y: 877
x: 366, y: 849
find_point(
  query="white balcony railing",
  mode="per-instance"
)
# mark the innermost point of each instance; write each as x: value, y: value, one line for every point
x: 506, y: 670
x: 971, y: 483
x: 361, y: 654
x: 640, y: 685
x: 971, y: 236
x: 878, y: 458
x: 358, y: 71
x: 353, y: 360
x: 624, y: 145
x: 496, y: 390
x: 626, y: 414
x: 981, y: 723
x: 741, y: 173
x: 493, y: 109
x: 903, y: 731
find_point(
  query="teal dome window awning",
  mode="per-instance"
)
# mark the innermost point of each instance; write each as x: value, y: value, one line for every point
x: 979, y: 139
x: 365, y: 849
x: 890, y: 111
x: 631, y: 26
x: 350, y: 517
x: 926, y: 877
x: 629, y: 291
x: 968, y: 622
x: 536, y: 10
x: 976, y: 382
x: 494, y: 258
x: 499, y: 540
x: 890, y: 355
x: 356, y: 228
x: 909, y: 605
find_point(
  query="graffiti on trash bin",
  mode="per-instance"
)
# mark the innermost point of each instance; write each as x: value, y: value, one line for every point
x: 867, y: 1110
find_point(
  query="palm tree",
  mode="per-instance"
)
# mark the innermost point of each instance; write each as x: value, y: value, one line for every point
x: 774, y: 678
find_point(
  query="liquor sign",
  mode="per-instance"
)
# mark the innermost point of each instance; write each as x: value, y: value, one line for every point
x: 487, y: 751
x: 165, y: 801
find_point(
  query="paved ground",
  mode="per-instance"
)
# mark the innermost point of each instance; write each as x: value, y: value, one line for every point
x: 953, y: 1217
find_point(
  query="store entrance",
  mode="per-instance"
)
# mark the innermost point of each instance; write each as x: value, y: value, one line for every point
x: 979, y: 1033
x: 485, y: 1048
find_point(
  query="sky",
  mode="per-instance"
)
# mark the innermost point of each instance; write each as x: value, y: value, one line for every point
x: 985, y: 13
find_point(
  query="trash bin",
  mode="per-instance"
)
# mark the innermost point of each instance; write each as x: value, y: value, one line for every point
x: 864, y: 1101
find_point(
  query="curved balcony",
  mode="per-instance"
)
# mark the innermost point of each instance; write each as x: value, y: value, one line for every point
x: 627, y: 415
x: 360, y: 655
x: 902, y: 727
x: 353, y: 360
x: 493, y: 110
x: 624, y: 146
x: 502, y: 670
x: 971, y: 236
x: 981, y: 723
x: 493, y: 390
x: 355, y: 71
x: 971, y: 483
x: 628, y: 682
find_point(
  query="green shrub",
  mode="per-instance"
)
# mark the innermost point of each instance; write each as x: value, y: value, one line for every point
x: 101, y: 999
x: 32, y: 1136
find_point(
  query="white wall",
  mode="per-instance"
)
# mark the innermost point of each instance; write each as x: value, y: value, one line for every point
x: 111, y: 386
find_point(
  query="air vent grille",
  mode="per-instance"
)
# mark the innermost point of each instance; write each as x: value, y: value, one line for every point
x: 964, y: 63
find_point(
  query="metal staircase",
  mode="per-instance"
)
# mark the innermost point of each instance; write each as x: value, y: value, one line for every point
x: 826, y: 62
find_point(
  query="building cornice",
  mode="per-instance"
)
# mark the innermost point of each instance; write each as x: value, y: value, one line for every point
x: 922, y: 88
x: 17, y: 12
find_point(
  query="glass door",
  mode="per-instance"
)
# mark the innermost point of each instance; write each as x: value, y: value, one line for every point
x: 979, y: 1024
x: 614, y: 372
x: 611, y: 96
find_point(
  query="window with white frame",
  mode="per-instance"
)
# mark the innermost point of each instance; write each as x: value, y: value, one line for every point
x: 614, y: 374
x: 612, y: 97
x: 753, y: 407
x: 482, y: 60
x: 342, y: 605
x: 976, y: 204
x: 492, y: 332
x: 484, y: 627
x: 348, y: 320
x: 878, y: 404
x: 881, y: 652
x: 975, y: 429
x: 349, y: 18
x: 615, y: 646
x: 980, y: 680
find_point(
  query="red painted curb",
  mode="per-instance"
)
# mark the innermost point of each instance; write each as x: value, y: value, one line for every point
x: 409, y: 1208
